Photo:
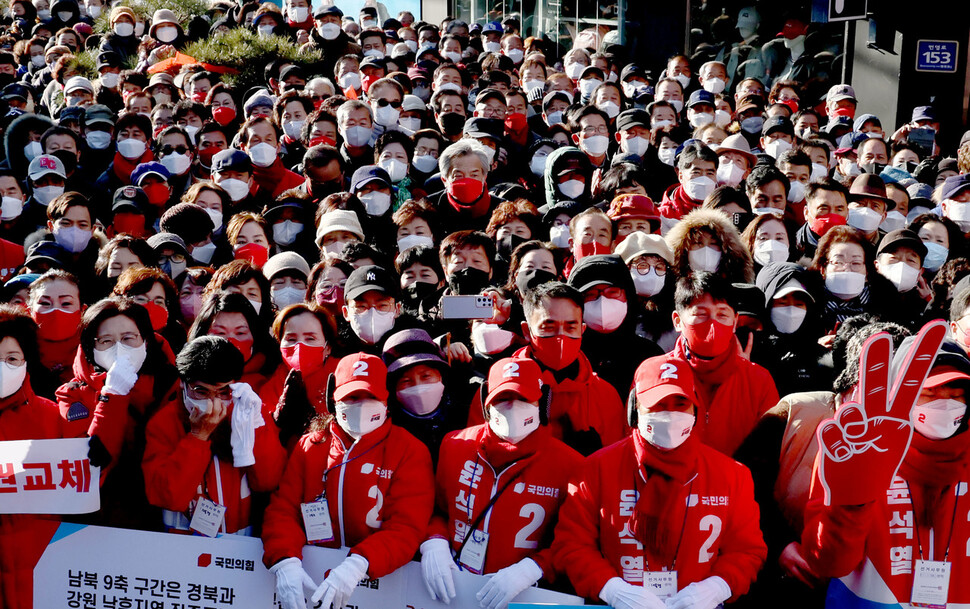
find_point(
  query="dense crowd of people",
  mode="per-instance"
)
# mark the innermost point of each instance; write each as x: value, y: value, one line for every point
x: 450, y: 294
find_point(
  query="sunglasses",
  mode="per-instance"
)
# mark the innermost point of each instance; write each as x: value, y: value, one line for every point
x: 384, y: 102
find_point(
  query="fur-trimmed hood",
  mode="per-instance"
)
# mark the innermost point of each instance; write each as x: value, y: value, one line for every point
x: 735, y: 265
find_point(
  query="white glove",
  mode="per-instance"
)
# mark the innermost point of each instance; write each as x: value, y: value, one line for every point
x: 247, y: 416
x: 121, y: 377
x: 705, y: 594
x: 437, y: 566
x: 292, y: 583
x: 341, y: 582
x: 621, y: 595
x: 507, y: 583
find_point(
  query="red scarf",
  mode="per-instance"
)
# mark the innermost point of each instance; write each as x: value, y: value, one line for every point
x: 122, y: 167
x: 60, y: 352
x: 934, y: 466
x: 475, y: 210
x: 658, y: 518
x: 712, y: 373
x: 500, y: 454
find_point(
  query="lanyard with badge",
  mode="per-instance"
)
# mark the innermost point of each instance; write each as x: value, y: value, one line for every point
x: 209, y: 516
x: 471, y: 553
x: 663, y: 583
x: 931, y: 578
x: 316, y: 514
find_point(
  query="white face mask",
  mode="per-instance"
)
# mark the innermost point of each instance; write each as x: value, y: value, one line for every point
x: 729, y: 173
x: 667, y: 156
x: 531, y: 85
x: 32, y: 150
x: 329, y: 31
x: 637, y: 145
x: 421, y: 400
x: 285, y: 232
x: 425, y: 163
x: 699, y: 119
x: 559, y: 236
x: 386, y: 116
x: 237, y: 189
x: 574, y: 70
x: 395, y: 169
x: 349, y: 80
x: 959, y: 213
x: 761, y: 211
x: 797, y: 192
x: 666, y: 429
x: 936, y: 255
x: 704, y: 259
x: 375, y: 53
x: 939, y: 419
x: 359, y: 418
x: 699, y: 188
x: 845, y: 284
x: 684, y: 80
x: 176, y: 163
x: 135, y: 355
x: 788, y: 319
x: 596, y: 144
x: 299, y: 14
x: 257, y: 305
x: 722, y: 118
x: 778, y: 147
x: 819, y: 171
x: 770, y: 251
x: 554, y: 118
x: 10, y: 208
x: 284, y: 297
x: 714, y: 85
x: 586, y: 87
x: 411, y: 123
x: 265, y: 30
x: 196, y: 407
x: 140, y: 28
x: 513, y: 420
x: 604, y: 314
x: 853, y: 169
x: 864, y: 219
x: 293, y: 129
x: 678, y: 104
x: 515, y: 55
x: 216, y: 216
x: 358, y: 136
x: 572, y: 188
x: 131, y: 148
x: 110, y: 79
x: 46, y: 194
x: 894, y: 221
x: 204, y: 253
x: 538, y: 165
x: 611, y: 109
x: 168, y: 33
x: 488, y: 339
x: 11, y: 378
x: 376, y: 203
x: 647, y: 285
x: 410, y: 241
x: 903, y: 276
x: 372, y: 325
x: 44, y: 14
x: 38, y: 61
x: 492, y: 47
x: 124, y: 29
x: 453, y: 56
x: 263, y: 154
x: 72, y: 238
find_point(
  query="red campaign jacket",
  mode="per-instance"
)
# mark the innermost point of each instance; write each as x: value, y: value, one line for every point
x: 180, y: 468
x: 275, y: 179
x: 24, y: 537
x: 676, y: 204
x: 727, y: 412
x: 521, y: 522
x: 585, y: 402
x: 11, y: 259
x: 380, y: 493
x: 721, y: 535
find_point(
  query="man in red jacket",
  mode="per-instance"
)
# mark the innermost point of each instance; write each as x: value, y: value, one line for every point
x: 660, y: 520
x: 586, y: 412
x: 732, y: 391
x: 697, y: 172
x: 499, y: 488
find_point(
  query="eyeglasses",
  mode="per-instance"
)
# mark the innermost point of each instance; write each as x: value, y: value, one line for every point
x: 601, y: 130
x: 203, y: 393
x: 129, y: 340
x: 386, y: 102
x: 643, y: 268
x: 167, y: 150
x: 842, y: 265
x: 143, y: 300
x: 384, y: 307
x: 14, y: 360
x: 176, y: 258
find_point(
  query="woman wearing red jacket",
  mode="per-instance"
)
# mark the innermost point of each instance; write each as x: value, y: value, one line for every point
x: 23, y: 416
x: 659, y: 519
x: 211, y: 446
x: 355, y: 480
x: 501, y: 482
x: 121, y: 376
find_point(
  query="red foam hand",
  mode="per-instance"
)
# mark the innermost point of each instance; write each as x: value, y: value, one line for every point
x: 861, y: 448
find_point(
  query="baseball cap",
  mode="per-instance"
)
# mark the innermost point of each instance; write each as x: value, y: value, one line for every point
x: 98, y: 113
x: 793, y: 28
x: 48, y: 252
x: 360, y: 372
x: 161, y: 241
x: 152, y: 168
x: 840, y: 92
x: 902, y: 237
x: 478, y: 126
x: 45, y: 164
x: 600, y: 269
x: 642, y: 244
x: 78, y: 82
x: 492, y: 27
x: 748, y: 17
x: 109, y: 59
x: 952, y: 186
x: 411, y: 347
x: 371, y: 277
x: 700, y: 96
x: 632, y: 118
x: 327, y: 9
x: 231, y: 160
x: 778, y: 123
x: 367, y: 174
x: 286, y: 261
x: 520, y: 377
x: 663, y: 376
x: 793, y: 286
x: 412, y: 103
x: 130, y: 197
x: 924, y: 113
x: 15, y: 90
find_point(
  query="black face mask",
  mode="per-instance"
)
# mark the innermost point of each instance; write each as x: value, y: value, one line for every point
x: 68, y: 158
x: 418, y: 292
x: 468, y: 281
x: 531, y: 279
x: 873, y: 168
x: 321, y: 190
x: 452, y: 123
x: 507, y: 244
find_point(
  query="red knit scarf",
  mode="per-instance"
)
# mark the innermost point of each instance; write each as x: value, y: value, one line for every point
x: 500, y: 453
x: 123, y: 167
x: 711, y: 373
x: 477, y: 209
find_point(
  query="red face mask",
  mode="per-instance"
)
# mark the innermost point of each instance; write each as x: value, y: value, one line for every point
x: 206, y: 154
x: 253, y: 252
x: 317, y: 103
x: 709, y: 338
x: 581, y: 250
x: 56, y: 325
x: 822, y: 224
x: 304, y: 358
x: 133, y: 224
x: 322, y: 139
x: 466, y: 190
x: 556, y: 352
x: 329, y: 297
x: 844, y: 112
x: 199, y: 96
x: 792, y: 105
x: 245, y: 347
x: 367, y: 81
x: 158, y: 314
x: 157, y: 194
x: 223, y: 115
x: 516, y: 122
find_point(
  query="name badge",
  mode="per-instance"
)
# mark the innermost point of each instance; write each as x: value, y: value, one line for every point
x: 931, y: 584
x: 207, y: 518
x: 316, y: 521
x: 473, y: 554
x: 662, y: 583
